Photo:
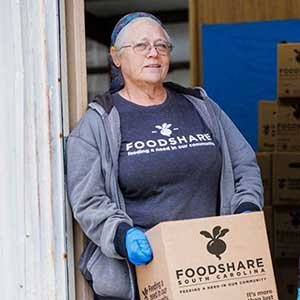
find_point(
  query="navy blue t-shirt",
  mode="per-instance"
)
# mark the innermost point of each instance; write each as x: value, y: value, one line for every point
x: 169, y: 162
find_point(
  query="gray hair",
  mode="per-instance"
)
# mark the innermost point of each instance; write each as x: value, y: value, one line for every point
x: 120, y: 38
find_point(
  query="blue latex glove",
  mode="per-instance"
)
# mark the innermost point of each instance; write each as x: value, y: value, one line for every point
x: 298, y: 297
x: 138, y: 248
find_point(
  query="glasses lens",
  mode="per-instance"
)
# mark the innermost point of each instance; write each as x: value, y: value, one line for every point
x: 141, y: 48
x: 163, y: 48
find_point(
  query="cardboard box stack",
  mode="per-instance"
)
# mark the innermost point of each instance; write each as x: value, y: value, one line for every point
x: 279, y: 160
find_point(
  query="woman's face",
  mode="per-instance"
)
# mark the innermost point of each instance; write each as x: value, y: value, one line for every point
x: 150, y: 68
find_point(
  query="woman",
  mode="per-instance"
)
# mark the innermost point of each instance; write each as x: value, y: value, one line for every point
x: 147, y: 152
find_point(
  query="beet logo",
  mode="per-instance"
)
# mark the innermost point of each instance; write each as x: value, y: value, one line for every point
x: 297, y: 55
x: 296, y: 112
x: 282, y: 183
x: 215, y: 246
x: 295, y: 218
x: 266, y: 129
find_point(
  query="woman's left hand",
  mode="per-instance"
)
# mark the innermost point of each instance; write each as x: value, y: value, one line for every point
x: 138, y: 247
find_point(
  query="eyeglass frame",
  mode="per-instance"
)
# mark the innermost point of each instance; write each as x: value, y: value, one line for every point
x: 170, y: 48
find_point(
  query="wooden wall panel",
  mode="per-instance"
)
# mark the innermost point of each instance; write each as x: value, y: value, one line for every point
x: 77, y: 98
x: 234, y: 11
x: 194, y: 42
x: 230, y: 11
x: 76, y: 60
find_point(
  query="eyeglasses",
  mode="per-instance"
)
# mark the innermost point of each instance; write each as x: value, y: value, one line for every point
x: 144, y: 48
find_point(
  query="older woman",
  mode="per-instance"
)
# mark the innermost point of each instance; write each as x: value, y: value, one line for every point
x: 147, y: 152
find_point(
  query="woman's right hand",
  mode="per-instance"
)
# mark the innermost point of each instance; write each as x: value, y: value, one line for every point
x: 138, y: 248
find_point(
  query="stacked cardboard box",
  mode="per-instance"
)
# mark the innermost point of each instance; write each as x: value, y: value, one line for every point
x: 288, y: 70
x: 279, y: 160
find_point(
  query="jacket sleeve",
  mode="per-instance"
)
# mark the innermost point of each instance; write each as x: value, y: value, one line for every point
x: 248, y: 193
x: 96, y: 213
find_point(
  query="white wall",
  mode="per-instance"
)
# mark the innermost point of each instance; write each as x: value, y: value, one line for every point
x: 179, y: 33
x: 32, y: 215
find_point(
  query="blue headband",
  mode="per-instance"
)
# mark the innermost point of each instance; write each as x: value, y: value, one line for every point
x: 127, y: 19
x: 117, y: 81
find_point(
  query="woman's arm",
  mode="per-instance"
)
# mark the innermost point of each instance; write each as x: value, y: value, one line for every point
x: 248, y: 193
x: 96, y: 213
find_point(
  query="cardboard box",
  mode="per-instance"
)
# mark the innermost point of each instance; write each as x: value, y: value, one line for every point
x: 225, y: 257
x: 288, y: 127
x: 264, y: 161
x: 286, y: 178
x: 268, y: 211
x: 287, y: 231
x: 288, y: 70
x: 267, y: 112
x: 286, y: 278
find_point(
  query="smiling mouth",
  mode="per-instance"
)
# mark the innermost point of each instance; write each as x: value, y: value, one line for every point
x: 153, y: 66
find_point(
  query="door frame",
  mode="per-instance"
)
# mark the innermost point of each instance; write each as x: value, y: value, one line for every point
x: 75, y: 101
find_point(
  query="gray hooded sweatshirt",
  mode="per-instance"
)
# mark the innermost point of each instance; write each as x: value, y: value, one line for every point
x: 97, y: 201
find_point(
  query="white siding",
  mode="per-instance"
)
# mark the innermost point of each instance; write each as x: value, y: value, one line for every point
x: 32, y: 219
